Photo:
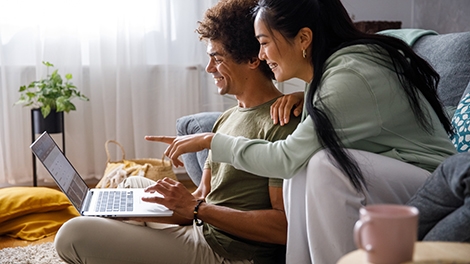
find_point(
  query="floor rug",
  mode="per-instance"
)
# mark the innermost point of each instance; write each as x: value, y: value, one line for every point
x: 32, y: 254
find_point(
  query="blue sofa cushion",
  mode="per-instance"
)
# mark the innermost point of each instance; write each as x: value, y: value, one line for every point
x: 461, y: 123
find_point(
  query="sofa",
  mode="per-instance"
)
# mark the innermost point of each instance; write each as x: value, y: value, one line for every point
x: 449, y: 54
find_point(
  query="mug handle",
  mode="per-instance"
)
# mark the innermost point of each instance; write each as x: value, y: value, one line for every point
x: 358, y: 237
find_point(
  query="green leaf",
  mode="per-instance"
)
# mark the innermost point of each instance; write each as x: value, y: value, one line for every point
x: 56, y: 78
x: 60, y: 107
x: 51, y: 93
x: 22, y: 100
x: 70, y: 106
x: 45, y: 110
x: 47, y: 64
x: 54, y: 74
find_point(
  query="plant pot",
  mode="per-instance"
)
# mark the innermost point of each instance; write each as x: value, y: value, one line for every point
x: 53, y: 123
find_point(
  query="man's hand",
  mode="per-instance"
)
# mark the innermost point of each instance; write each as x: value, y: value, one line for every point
x: 175, y: 197
x: 183, y: 144
x: 281, y: 109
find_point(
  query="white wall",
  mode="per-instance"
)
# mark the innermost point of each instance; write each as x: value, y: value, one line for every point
x: 379, y: 10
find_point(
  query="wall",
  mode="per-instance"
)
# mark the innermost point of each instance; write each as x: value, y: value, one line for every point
x: 376, y: 10
x: 443, y: 16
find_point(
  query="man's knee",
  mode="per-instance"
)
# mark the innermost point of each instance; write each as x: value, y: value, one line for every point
x: 72, y: 232
x: 196, y: 123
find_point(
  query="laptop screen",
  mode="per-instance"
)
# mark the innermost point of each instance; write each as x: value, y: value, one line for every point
x: 61, y: 170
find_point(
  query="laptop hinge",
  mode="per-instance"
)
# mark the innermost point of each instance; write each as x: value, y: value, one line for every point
x: 87, y: 203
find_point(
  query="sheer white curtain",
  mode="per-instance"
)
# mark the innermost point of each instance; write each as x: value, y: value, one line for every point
x: 140, y: 63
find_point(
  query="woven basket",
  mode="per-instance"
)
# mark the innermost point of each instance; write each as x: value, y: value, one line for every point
x: 157, y: 168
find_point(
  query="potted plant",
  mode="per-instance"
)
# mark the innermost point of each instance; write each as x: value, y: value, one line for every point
x: 49, y: 98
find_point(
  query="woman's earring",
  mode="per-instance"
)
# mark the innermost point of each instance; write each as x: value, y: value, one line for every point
x: 304, y: 53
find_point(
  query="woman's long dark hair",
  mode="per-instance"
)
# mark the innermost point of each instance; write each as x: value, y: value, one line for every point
x: 333, y: 30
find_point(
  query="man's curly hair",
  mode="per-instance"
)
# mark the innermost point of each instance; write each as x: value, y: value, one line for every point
x: 231, y: 23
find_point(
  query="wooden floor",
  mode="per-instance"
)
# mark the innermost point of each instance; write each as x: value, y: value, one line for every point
x: 6, y: 241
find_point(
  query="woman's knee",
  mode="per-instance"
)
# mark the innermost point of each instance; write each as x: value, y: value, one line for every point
x: 323, y: 175
x: 318, y: 186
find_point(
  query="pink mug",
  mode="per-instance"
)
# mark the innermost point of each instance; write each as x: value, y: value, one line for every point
x: 387, y: 232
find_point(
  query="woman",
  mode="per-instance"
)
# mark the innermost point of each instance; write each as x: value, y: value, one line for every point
x: 373, y: 128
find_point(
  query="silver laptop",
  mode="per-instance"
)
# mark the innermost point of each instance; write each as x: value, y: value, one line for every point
x: 93, y: 202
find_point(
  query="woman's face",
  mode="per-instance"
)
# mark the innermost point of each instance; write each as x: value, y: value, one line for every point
x: 283, y: 57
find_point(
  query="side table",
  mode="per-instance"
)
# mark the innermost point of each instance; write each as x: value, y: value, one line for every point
x: 425, y: 252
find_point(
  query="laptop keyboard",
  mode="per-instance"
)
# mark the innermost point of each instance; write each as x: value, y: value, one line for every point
x: 115, y: 201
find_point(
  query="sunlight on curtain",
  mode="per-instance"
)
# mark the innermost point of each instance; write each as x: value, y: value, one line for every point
x: 140, y: 63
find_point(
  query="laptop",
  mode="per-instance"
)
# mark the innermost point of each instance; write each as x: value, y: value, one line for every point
x: 93, y: 202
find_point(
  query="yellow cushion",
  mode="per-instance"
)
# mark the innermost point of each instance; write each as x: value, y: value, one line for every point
x: 37, y: 225
x: 18, y: 201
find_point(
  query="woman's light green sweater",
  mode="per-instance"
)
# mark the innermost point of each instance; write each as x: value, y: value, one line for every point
x: 367, y: 107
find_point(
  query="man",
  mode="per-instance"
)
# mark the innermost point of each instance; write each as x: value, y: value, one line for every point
x: 243, y: 214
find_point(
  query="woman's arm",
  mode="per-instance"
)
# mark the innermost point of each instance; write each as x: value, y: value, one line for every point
x: 281, y: 159
x: 183, y: 144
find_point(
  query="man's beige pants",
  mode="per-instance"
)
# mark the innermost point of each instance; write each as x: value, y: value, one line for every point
x: 100, y: 240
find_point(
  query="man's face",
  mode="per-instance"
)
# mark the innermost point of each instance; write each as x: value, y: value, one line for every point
x: 228, y: 74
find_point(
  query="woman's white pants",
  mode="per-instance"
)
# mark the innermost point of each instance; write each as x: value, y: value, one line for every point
x: 322, y: 205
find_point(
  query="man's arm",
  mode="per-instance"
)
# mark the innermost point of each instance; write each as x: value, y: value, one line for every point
x: 200, y: 194
x: 268, y: 226
x: 205, y: 186
x: 259, y: 225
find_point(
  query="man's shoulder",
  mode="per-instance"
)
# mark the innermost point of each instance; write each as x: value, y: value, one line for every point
x: 224, y: 116
x: 281, y: 132
x: 256, y: 119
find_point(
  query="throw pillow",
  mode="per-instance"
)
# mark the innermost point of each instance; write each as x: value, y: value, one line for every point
x: 461, y: 123
x: 37, y: 225
x: 19, y: 201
